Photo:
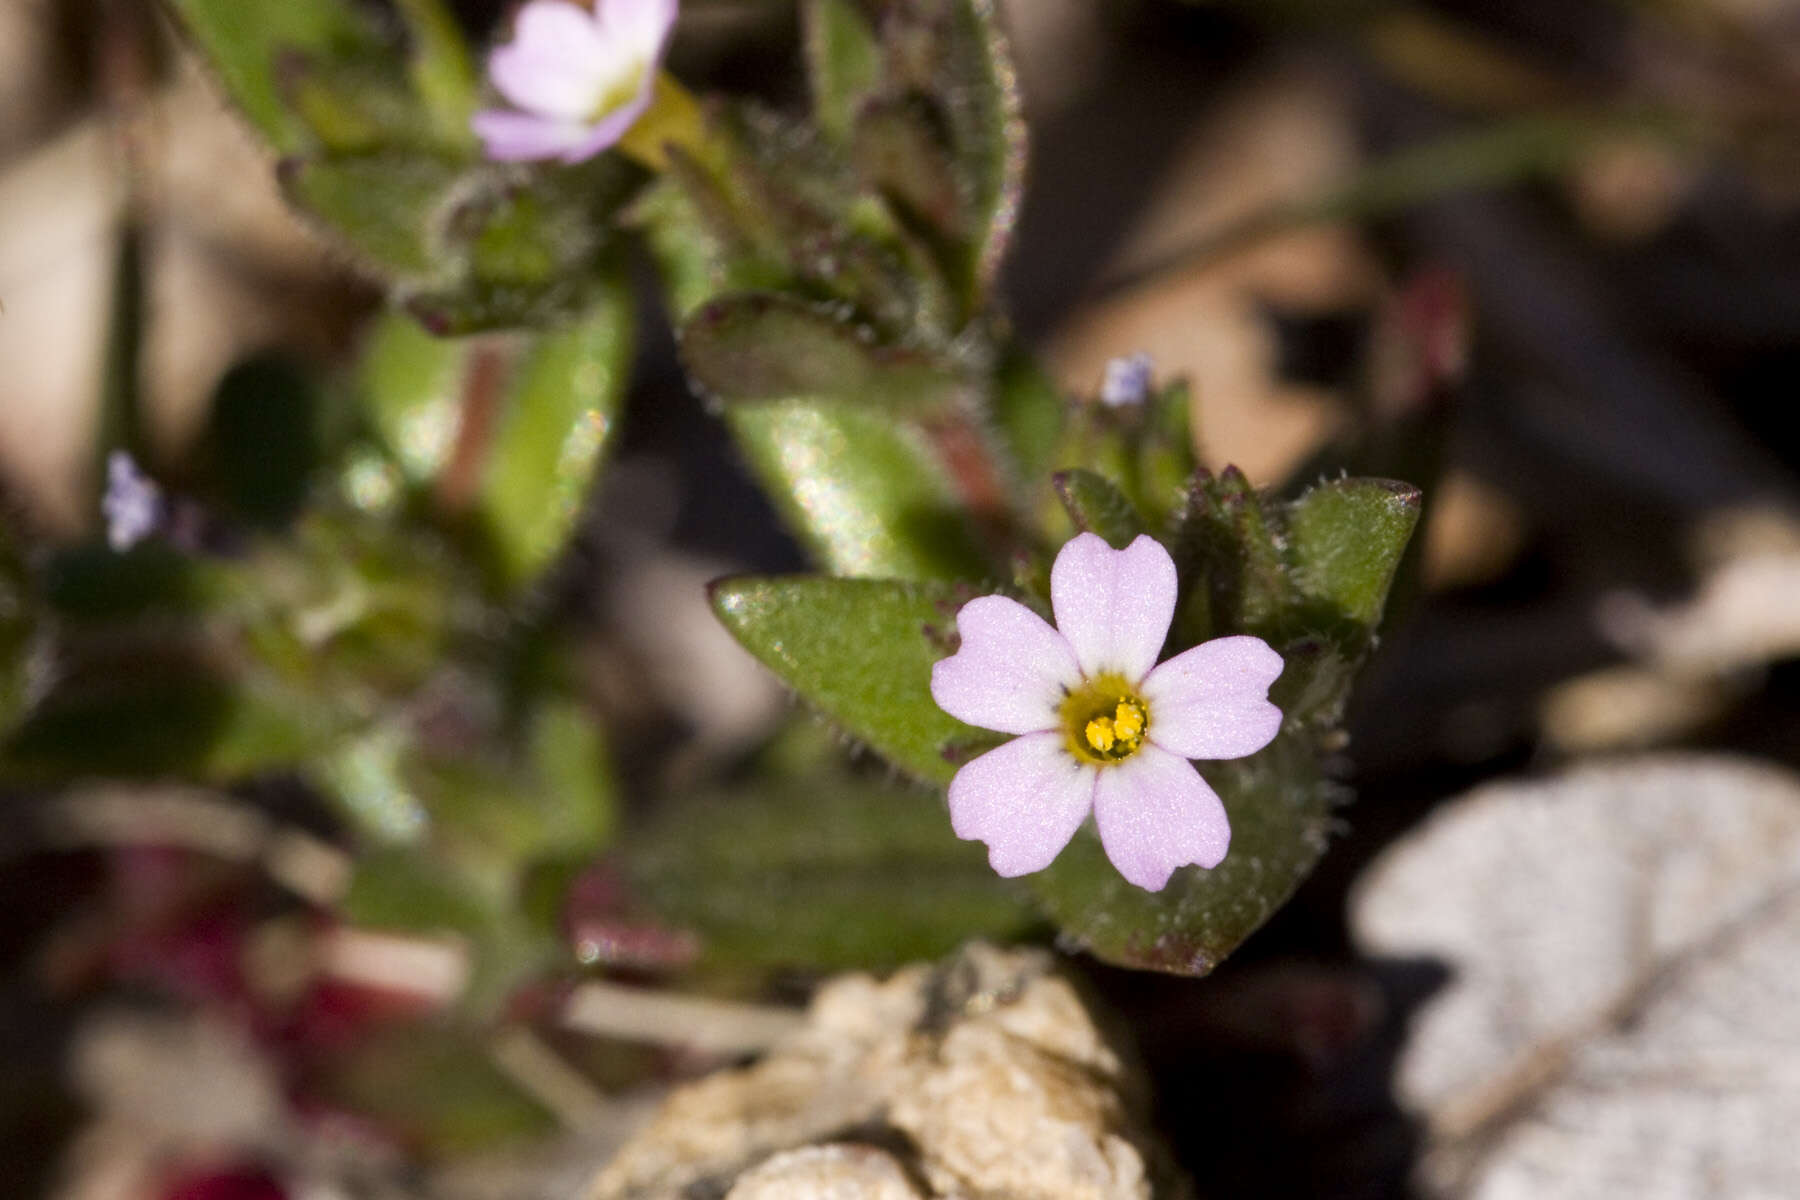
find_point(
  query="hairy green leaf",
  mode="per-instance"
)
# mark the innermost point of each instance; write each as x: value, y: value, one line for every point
x: 1280, y: 814
x: 867, y: 494
x: 560, y: 409
x: 827, y: 871
x: 1096, y: 506
x: 246, y: 42
x: 843, y: 60
x: 860, y: 651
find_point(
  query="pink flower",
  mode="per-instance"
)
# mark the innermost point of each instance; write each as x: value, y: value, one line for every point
x: 1101, y: 726
x: 578, y: 75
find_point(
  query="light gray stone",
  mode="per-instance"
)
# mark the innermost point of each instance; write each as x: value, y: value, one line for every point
x: 981, y: 1077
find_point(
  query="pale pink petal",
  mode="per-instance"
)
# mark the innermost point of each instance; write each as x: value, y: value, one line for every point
x: 1113, y: 606
x: 605, y: 132
x: 1009, y: 673
x: 557, y: 64
x: 1213, y: 701
x: 508, y: 136
x: 643, y: 24
x: 1155, y: 813
x: 1025, y: 799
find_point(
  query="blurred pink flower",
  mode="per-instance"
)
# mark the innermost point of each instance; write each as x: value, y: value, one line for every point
x: 578, y: 76
x: 1101, y: 726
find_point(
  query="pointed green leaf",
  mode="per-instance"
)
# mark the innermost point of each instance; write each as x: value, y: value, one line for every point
x: 772, y: 347
x: 560, y: 409
x: 1280, y: 816
x: 1096, y: 506
x: 1230, y: 551
x: 866, y: 494
x: 1345, y: 540
x: 246, y: 41
x: 860, y: 651
x: 953, y: 52
x: 843, y: 60
x: 826, y: 871
x: 389, y: 209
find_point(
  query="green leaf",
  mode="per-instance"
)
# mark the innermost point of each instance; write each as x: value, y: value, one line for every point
x: 573, y: 778
x: 1280, y: 812
x: 1345, y: 540
x: 1165, y: 454
x: 845, y: 435
x: 434, y: 1087
x: 1230, y: 555
x: 247, y: 40
x: 365, y: 777
x: 953, y: 52
x: 148, y: 719
x: 356, y: 103
x: 390, y: 209
x: 827, y: 871
x: 843, y: 61
x: 1096, y: 506
x: 560, y: 409
x: 900, y: 153
x: 1030, y: 411
x: 860, y: 651
x: 866, y: 494
x: 441, y: 67
x: 91, y: 586
x: 772, y: 347
x: 411, y: 891
x: 411, y: 386
x: 264, y: 440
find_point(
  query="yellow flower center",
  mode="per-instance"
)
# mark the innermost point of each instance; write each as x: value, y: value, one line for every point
x: 1105, y: 721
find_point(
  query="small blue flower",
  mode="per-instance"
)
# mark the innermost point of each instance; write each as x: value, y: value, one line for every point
x: 1126, y: 383
x: 133, y: 505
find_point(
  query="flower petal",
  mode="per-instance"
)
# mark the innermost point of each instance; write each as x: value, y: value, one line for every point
x: 644, y: 25
x: 558, y: 64
x: 1010, y: 671
x: 1025, y: 799
x: 1113, y: 606
x: 1155, y: 813
x: 605, y: 133
x: 1212, y: 701
x: 509, y: 136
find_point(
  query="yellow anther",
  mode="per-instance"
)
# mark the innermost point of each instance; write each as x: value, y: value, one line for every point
x: 1128, y: 722
x: 1100, y: 734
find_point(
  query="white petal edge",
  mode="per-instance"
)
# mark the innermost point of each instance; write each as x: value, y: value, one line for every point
x: 1213, y: 701
x: 1155, y: 814
x: 1025, y: 799
x: 1113, y: 606
x: 1010, y: 671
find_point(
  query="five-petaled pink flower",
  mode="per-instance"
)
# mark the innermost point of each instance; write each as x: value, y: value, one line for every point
x: 579, y: 76
x: 1101, y: 726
